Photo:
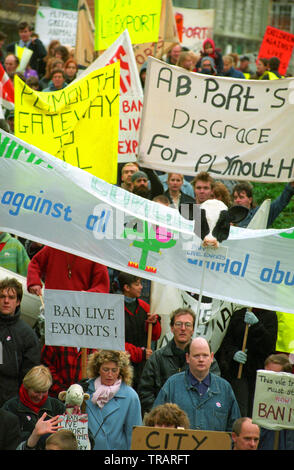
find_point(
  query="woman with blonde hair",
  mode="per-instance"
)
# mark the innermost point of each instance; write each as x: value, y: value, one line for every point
x: 114, y: 407
x: 34, y: 404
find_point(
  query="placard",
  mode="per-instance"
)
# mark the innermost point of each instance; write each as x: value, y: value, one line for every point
x: 277, y: 43
x: 84, y: 319
x: 273, y: 406
x: 151, y: 438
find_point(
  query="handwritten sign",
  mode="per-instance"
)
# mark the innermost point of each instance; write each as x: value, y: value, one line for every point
x: 150, y: 438
x: 273, y: 406
x: 55, y: 23
x: 196, y: 25
x: 84, y: 319
x: 231, y: 128
x: 78, y: 424
x: 78, y: 124
x: 277, y: 43
x: 112, y: 17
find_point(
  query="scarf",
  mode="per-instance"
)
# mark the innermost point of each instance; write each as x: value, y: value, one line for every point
x: 26, y: 401
x: 104, y: 393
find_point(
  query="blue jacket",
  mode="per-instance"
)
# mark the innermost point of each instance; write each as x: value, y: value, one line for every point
x: 214, y: 411
x: 112, y: 425
x: 234, y: 73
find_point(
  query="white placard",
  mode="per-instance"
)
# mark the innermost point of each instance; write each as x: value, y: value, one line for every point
x: 84, y: 319
x: 55, y: 23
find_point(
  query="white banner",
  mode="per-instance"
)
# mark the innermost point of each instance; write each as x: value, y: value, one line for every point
x: 232, y: 128
x: 131, y: 94
x: 197, y: 26
x: 55, y: 23
x: 84, y: 319
x: 49, y: 201
x: 273, y: 400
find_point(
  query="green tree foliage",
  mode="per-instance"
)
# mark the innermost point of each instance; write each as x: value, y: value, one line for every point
x: 271, y: 191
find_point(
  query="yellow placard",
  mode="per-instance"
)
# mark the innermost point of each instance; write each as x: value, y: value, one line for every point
x: 113, y: 17
x: 285, y: 340
x: 78, y: 124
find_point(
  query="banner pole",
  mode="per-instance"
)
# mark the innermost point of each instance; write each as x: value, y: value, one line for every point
x: 84, y: 363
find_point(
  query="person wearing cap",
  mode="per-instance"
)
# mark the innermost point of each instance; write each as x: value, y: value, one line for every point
x: 207, y: 66
x: 244, y: 67
x: 146, y: 184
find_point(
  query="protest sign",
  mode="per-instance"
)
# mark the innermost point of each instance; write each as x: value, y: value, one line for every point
x: 69, y: 209
x: 112, y: 18
x: 131, y: 94
x: 285, y: 339
x: 277, y: 43
x: 24, y: 55
x: 273, y: 400
x: 78, y: 424
x: 196, y: 26
x: 78, y: 124
x: 84, y: 319
x: 232, y: 128
x: 55, y: 23
x: 152, y: 438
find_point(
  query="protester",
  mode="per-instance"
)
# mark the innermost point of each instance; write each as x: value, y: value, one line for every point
x: 70, y: 70
x: 229, y: 70
x: 187, y: 60
x: 63, y: 439
x: 261, y: 342
x: 209, y: 50
x: 203, y: 185
x: 61, y: 52
x: 33, y: 43
x: 114, y: 407
x: 127, y: 171
x: 65, y: 271
x: 245, y: 434
x: 262, y: 70
x: 65, y: 365
x: 207, y: 66
x: 242, y: 194
x: 274, y: 64
x: 3, y: 38
x: 20, y: 346
x: 146, y: 184
x: 173, y: 53
x: 168, y: 415
x: 137, y: 320
x: 13, y: 255
x: 51, y: 65
x: 11, y: 63
x: 277, y: 363
x: 32, y: 405
x: 221, y: 192
x: 244, y: 67
x: 177, y: 198
x: 57, y: 81
x: 208, y: 399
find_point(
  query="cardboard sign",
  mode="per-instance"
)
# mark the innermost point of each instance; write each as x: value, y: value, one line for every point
x: 273, y: 406
x: 55, y: 23
x: 78, y: 424
x: 151, y: 438
x: 231, y: 128
x: 84, y: 319
x: 277, y: 43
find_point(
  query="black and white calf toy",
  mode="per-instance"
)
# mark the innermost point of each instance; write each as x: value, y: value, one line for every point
x: 216, y: 219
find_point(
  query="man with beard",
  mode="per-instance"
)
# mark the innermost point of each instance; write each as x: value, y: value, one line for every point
x: 146, y: 184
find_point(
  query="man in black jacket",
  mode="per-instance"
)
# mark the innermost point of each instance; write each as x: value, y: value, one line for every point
x: 25, y: 40
x: 19, y: 345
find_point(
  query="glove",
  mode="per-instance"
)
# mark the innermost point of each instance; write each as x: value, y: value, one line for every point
x: 250, y: 318
x: 240, y: 356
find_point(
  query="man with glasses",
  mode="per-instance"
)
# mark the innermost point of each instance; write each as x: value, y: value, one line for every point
x: 169, y: 359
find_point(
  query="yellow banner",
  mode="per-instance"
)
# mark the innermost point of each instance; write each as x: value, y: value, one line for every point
x: 139, y: 17
x: 78, y: 124
x: 285, y: 340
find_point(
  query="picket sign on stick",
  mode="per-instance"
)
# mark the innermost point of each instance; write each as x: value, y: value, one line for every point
x: 244, y: 346
x: 149, y: 336
x: 84, y: 363
x: 42, y: 301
